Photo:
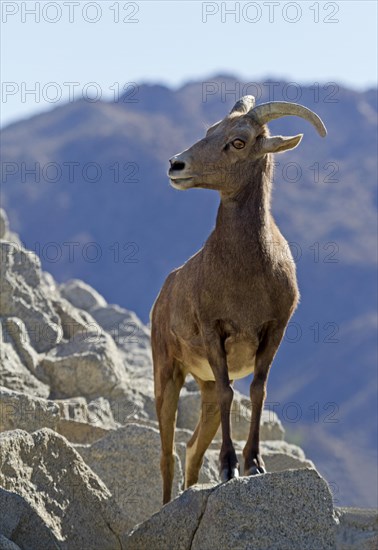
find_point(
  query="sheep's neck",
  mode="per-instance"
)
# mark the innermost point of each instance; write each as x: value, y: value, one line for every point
x: 245, y: 219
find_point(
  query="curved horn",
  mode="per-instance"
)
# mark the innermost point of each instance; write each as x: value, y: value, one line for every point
x: 243, y: 105
x: 277, y: 109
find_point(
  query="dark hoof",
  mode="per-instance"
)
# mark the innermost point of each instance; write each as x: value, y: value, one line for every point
x: 255, y: 470
x: 227, y: 474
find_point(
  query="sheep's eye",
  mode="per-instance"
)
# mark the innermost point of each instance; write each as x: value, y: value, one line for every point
x: 238, y: 144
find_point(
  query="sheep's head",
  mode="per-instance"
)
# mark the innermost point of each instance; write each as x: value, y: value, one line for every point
x: 235, y: 142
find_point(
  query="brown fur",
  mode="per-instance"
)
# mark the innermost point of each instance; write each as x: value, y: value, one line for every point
x: 222, y: 314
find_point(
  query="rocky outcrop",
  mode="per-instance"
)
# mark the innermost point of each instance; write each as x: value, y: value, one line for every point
x: 16, y: 332
x: 86, y: 365
x: 51, y: 498
x: 129, y: 333
x: 128, y: 461
x: 4, y: 224
x: 16, y: 517
x: 75, y: 418
x: 5, y: 233
x: 21, y: 411
x: 83, y: 422
x: 81, y: 295
x: 283, y: 511
x: 14, y: 370
x: 22, y: 296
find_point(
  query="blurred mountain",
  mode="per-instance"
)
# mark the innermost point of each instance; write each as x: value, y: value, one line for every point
x: 85, y: 186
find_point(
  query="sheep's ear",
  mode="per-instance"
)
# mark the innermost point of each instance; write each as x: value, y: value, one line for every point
x: 278, y: 144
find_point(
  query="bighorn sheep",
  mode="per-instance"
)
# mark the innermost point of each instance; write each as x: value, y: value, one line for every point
x: 222, y: 315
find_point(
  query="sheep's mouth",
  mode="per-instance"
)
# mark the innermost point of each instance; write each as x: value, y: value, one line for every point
x: 181, y: 183
x: 179, y: 180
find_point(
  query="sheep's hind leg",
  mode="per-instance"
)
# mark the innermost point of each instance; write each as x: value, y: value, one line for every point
x: 168, y: 383
x: 204, y: 433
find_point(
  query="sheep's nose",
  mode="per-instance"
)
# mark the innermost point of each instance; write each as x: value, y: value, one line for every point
x: 176, y: 164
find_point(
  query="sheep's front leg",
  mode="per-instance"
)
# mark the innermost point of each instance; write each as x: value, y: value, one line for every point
x: 253, y: 462
x: 229, y: 467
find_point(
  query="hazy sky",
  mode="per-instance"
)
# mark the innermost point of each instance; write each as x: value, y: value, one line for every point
x: 59, y: 48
